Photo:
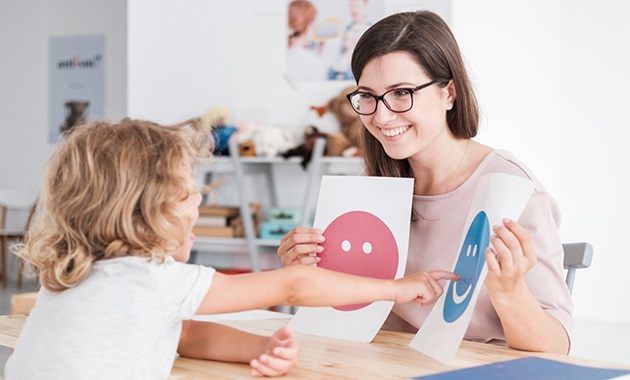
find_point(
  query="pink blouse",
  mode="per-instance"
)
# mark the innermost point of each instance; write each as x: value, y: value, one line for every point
x: 434, y: 244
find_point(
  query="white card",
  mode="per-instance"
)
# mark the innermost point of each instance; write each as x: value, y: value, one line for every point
x: 366, y: 223
x: 498, y: 196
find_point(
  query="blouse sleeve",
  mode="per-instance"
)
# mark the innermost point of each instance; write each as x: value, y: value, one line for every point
x: 541, y: 218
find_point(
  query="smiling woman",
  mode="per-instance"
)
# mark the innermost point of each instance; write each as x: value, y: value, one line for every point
x: 411, y: 63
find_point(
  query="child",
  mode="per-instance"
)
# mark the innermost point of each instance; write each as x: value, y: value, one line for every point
x: 110, y: 236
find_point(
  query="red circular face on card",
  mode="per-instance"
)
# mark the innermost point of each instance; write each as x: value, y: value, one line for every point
x: 361, y: 244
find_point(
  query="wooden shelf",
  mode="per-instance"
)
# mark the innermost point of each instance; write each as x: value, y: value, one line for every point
x: 243, y: 166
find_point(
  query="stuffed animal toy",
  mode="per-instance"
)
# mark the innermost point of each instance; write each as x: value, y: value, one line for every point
x: 269, y: 141
x: 247, y: 149
x: 349, y: 122
x: 336, y: 143
x: 305, y: 150
x: 344, y: 142
x: 217, y: 118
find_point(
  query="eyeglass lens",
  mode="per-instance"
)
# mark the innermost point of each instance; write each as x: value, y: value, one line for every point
x: 397, y: 100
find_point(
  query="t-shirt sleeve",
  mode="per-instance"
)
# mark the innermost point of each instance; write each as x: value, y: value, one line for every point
x: 189, y: 284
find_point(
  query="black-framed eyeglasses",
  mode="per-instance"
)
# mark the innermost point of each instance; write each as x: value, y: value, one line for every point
x: 398, y: 100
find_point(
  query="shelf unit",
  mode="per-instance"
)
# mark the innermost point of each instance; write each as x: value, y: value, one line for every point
x: 241, y: 167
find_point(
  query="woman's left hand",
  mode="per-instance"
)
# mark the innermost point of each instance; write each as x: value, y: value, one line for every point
x: 512, y: 257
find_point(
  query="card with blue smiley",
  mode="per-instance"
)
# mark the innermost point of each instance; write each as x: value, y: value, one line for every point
x: 498, y: 196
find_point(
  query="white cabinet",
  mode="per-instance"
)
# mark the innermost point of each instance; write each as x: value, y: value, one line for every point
x: 270, y: 168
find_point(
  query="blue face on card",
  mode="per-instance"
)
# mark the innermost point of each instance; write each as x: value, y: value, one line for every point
x: 469, y: 265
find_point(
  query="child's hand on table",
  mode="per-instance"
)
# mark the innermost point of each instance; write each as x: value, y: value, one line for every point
x: 280, y: 355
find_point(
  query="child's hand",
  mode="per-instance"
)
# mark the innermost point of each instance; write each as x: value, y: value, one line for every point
x: 280, y: 355
x: 422, y: 287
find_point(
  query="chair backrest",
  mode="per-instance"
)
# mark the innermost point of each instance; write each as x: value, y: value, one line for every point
x: 15, y: 205
x: 576, y: 256
x: 16, y: 199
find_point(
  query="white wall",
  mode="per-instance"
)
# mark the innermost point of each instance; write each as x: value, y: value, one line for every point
x: 25, y: 27
x: 187, y: 56
x: 552, y: 79
x: 550, y: 74
x: 595, y: 131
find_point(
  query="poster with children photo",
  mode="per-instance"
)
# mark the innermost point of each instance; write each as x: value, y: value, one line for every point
x: 322, y: 34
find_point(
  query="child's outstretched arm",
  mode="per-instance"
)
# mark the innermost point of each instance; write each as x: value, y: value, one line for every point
x: 267, y: 356
x: 310, y: 286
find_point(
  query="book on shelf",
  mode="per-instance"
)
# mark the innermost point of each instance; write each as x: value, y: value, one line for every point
x: 216, y: 220
x: 222, y: 221
x: 213, y: 210
x: 210, y: 231
x: 213, y: 221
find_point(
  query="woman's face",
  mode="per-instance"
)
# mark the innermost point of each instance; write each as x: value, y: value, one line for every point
x: 188, y: 209
x: 407, y: 134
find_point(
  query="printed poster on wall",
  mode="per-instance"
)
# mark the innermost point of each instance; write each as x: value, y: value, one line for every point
x: 322, y: 34
x: 76, y: 82
x: 366, y: 224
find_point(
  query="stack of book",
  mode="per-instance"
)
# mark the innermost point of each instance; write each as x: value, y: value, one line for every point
x: 215, y: 221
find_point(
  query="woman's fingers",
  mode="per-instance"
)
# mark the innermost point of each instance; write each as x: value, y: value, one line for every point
x: 297, y: 245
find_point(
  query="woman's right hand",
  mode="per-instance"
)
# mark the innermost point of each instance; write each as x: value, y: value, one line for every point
x: 298, y: 244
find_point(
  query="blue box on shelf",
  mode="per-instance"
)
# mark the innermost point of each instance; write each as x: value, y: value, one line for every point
x: 274, y: 230
x: 285, y: 215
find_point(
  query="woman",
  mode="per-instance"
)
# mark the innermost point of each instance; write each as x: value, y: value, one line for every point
x: 420, y: 115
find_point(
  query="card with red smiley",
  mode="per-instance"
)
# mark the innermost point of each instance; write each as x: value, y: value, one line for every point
x: 498, y: 196
x: 366, y: 223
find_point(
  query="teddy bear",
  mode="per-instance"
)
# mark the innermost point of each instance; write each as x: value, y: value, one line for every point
x: 344, y: 141
x: 349, y: 121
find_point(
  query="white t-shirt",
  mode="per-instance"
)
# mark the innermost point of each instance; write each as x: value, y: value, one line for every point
x: 122, y: 322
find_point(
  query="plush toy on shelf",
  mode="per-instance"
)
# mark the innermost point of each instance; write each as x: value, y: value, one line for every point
x: 305, y: 150
x: 343, y: 141
x: 247, y: 149
x: 265, y: 140
x: 349, y: 121
x: 217, y: 118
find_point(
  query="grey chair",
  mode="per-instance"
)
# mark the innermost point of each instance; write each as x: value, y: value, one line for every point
x: 576, y: 256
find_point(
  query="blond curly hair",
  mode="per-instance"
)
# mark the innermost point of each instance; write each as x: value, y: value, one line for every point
x: 110, y: 190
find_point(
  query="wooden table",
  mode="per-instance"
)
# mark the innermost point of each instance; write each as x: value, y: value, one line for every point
x: 387, y: 357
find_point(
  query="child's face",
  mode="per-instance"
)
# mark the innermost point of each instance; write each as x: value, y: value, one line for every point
x: 189, y: 209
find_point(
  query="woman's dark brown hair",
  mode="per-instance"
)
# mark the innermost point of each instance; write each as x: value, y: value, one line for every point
x: 429, y: 40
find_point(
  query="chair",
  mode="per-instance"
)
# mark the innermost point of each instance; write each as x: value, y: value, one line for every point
x: 15, y: 205
x: 576, y: 256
